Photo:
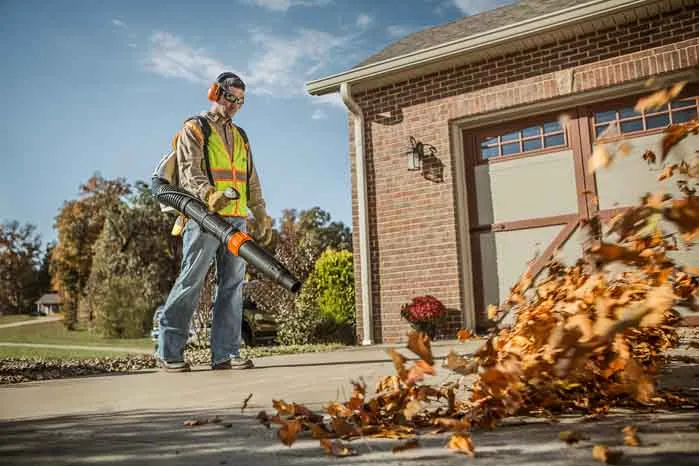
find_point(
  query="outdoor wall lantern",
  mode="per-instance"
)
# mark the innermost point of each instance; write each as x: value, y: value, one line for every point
x: 416, y: 154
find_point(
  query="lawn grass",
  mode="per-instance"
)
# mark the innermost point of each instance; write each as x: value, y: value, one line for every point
x: 12, y: 318
x: 7, y: 352
x: 55, y: 333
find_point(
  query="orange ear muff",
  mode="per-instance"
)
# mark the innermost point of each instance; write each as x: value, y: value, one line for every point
x: 214, y: 92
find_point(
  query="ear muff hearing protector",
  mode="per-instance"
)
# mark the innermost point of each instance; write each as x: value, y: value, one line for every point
x: 215, y: 89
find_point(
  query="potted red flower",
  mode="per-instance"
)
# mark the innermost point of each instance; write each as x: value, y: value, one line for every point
x: 424, y: 314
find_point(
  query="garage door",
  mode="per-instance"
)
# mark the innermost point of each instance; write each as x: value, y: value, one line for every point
x: 528, y: 187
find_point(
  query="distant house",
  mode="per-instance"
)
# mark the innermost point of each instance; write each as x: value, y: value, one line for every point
x: 507, y: 106
x: 48, y: 304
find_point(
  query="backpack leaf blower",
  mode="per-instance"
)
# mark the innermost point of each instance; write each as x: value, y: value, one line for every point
x: 237, y: 242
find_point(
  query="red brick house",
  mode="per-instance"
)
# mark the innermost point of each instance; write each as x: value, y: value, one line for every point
x: 505, y: 179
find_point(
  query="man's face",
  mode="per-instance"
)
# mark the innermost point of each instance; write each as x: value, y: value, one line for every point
x: 231, y: 100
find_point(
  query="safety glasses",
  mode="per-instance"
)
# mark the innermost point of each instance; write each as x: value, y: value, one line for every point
x: 233, y: 99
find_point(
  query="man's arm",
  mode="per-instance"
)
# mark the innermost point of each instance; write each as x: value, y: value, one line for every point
x: 190, y: 158
x: 256, y: 200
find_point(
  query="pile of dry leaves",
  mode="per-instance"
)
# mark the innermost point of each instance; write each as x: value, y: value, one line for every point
x: 586, y: 338
x: 16, y: 370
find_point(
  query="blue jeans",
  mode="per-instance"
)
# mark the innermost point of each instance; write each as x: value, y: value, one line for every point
x: 199, y: 248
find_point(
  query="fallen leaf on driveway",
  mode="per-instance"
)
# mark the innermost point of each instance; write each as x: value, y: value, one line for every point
x: 572, y: 436
x: 464, y: 334
x: 630, y: 437
x: 201, y: 422
x: 288, y: 431
x: 462, y: 443
x: 603, y: 454
x: 337, y: 448
x: 245, y: 403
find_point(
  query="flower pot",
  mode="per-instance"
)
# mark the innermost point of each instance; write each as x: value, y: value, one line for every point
x: 428, y: 328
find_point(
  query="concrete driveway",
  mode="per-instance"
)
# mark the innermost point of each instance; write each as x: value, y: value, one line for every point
x: 138, y: 419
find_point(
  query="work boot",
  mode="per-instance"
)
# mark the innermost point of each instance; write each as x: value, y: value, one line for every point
x: 234, y: 363
x: 179, y: 366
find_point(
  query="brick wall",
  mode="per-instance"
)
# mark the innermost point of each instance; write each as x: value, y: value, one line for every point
x: 413, y: 229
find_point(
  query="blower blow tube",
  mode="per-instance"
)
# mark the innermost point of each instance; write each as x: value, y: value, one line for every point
x: 237, y: 242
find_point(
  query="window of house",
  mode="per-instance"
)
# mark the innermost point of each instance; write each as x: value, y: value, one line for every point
x: 628, y: 121
x: 527, y: 139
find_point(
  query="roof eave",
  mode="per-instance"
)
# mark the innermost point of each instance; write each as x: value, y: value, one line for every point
x: 541, y: 24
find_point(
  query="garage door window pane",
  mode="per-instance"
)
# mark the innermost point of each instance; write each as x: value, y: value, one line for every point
x: 631, y: 121
x: 532, y: 144
x: 631, y: 126
x: 511, y: 136
x: 489, y: 152
x: 657, y: 121
x: 682, y: 116
x: 510, y: 149
x: 599, y: 130
x: 526, y: 139
x: 552, y: 127
x: 605, y: 117
x: 555, y: 140
x: 628, y: 113
x: 683, y: 103
x: 533, y: 131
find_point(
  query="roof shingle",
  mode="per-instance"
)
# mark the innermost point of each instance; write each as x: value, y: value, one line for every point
x: 469, y: 25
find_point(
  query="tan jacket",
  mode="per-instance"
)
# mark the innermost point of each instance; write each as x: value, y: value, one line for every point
x: 190, y: 155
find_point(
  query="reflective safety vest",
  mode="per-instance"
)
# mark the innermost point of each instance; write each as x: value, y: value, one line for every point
x: 230, y: 170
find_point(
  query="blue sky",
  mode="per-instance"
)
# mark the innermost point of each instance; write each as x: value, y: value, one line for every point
x: 101, y: 87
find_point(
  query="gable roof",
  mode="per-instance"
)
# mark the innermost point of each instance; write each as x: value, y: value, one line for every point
x: 469, y: 25
x: 50, y: 298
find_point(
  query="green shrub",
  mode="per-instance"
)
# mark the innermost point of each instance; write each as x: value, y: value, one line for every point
x: 333, y: 277
x: 297, y: 323
x: 325, y: 307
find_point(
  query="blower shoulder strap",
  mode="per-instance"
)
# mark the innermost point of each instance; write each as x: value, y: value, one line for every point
x: 203, y: 132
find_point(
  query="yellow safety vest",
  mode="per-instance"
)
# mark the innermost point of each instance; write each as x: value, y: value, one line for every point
x: 230, y: 172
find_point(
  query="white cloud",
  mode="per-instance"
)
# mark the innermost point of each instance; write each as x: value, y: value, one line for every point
x: 331, y: 100
x: 284, y: 5
x: 119, y: 23
x: 364, y: 21
x: 286, y: 63
x: 172, y: 58
x: 473, y: 7
x: 280, y: 67
x: 319, y: 114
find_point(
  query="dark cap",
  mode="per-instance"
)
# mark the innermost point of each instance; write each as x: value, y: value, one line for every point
x: 228, y: 79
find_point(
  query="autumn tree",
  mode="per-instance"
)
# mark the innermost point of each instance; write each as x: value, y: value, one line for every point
x: 78, y: 225
x: 20, y: 249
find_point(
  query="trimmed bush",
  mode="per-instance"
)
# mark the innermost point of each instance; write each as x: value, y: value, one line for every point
x: 333, y: 277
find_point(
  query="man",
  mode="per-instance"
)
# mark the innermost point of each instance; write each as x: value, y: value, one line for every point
x: 227, y: 164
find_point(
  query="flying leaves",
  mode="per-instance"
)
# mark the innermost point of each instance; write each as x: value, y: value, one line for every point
x: 584, y: 340
x: 659, y: 99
